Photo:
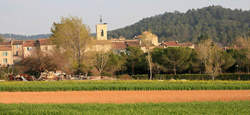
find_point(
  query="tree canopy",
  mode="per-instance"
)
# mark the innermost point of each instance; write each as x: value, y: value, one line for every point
x: 73, y: 39
x: 221, y: 24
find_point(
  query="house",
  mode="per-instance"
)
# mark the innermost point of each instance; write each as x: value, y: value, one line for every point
x: 17, y: 50
x: 6, y: 56
x: 29, y: 47
x: 46, y: 46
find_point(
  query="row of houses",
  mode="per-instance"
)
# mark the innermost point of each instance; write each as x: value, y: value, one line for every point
x: 15, y: 50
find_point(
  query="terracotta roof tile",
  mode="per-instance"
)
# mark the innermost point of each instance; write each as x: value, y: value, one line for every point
x: 45, y: 42
x: 5, y: 48
x: 5, y: 43
x: 119, y: 45
x: 17, y: 42
x: 29, y: 43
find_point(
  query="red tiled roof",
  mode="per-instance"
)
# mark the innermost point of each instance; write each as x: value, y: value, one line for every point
x: 45, y: 42
x: 119, y: 45
x: 132, y: 43
x: 29, y: 43
x: 171, y: 43
x: 5, y: 48
x: 123, y: 44
x: 5, y: 43
x: 176, y: 44
x: 102, y: 42
x: 17, y: 42
x: 186, y: 44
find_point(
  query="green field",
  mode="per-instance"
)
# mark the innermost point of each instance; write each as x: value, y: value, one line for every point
x: 123, y: 85
x: 211, y: 108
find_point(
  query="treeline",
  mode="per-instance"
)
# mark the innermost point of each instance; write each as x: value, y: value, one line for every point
x: 76, y: 52
x: 221, y: 24
x: 207, y: 59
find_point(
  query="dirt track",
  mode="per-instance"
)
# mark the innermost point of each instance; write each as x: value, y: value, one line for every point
x: 123, y: 96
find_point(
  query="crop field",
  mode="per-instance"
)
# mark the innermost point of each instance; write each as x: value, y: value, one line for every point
x: 213, y: 108
x: 123, y: 85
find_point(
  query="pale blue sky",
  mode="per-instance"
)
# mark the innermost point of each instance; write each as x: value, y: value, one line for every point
x: 36, y: 16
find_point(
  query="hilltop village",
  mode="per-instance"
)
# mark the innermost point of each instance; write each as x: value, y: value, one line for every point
x: 13, y: 51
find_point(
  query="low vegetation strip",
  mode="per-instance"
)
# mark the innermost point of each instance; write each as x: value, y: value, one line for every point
x: 213, y: 108
x: 123, y: 85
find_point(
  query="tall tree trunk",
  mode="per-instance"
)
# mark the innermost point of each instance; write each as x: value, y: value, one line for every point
x: 174, y: 69
x: 150, y: 65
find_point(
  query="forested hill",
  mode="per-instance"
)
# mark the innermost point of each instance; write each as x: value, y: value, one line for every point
x: 221, y: 24
x: 25, y: 37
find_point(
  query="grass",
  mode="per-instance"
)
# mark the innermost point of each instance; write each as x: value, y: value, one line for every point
x: 194, y: 108
x: 123, y: 85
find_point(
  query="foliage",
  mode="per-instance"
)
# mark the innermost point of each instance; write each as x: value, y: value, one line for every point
x: 227, y: 76
x: 221, y: 24
x: 173, y: 58
x: 215, y: 108
x: 72, y: 38
x: 136, y: 61
x: 116, y: 63
x: 123, y: 85
x: 37, y: 63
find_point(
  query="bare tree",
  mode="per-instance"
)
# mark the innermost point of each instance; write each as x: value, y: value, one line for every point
x: 147, y: 42
x: 101, y: 60
x: 211, y: 56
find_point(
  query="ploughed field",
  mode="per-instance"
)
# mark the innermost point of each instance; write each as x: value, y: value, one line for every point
x: 124, y: 96
x: 122, y: 85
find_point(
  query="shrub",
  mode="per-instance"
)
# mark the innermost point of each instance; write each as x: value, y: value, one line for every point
x: 228, y: 76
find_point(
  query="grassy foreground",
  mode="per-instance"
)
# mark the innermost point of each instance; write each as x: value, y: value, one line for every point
x: 212, y: 108
x: 123, y: 85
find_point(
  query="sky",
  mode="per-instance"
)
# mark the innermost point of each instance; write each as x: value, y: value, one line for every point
x: 30, y: 17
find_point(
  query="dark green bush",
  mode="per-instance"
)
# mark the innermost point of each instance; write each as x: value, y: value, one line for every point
x: 228, y: 76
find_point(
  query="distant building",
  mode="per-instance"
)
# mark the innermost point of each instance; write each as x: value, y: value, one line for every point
x: 17, y: 50
x: 46, y: 46
x: 101, y: 31
x: 6, y: 57
x: 29, y: 47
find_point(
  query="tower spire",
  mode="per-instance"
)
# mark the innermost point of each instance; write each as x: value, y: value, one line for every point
x: 100, y: 18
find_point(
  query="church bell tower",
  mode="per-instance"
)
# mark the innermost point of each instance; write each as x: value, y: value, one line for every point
x: 101, y: 31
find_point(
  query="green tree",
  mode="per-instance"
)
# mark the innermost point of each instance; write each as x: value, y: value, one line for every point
x: 115, y: 63
x: 73, y: 39
x: 175, y: 58
x: 136, y: 62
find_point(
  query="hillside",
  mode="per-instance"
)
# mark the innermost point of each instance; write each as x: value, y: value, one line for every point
x: 221, y: 24
x: 25, y: 37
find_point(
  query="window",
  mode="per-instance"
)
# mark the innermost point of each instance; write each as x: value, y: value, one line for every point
x: 17, y: 46
x: 5, y: 60
x: 16, y: 53
x: 5, y: 53
x: 102, y: 33
x: 45, y: 48
x: 29, y: 48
